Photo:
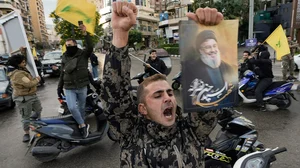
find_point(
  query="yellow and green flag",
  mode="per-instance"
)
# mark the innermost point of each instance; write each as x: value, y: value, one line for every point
x: 278, y: 41
x: 77, y: 10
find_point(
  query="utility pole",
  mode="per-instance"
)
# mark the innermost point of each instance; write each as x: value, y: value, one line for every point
x: 251, y: 15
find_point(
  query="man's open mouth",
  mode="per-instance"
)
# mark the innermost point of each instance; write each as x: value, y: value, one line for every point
x: 168, y: 112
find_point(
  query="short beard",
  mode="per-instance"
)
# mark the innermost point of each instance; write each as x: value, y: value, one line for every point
x: 213, y: 63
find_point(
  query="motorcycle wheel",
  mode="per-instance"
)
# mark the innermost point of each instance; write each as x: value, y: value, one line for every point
x: 287, y: 102
x: 216, y: 164
x: 112, y: 136
x: 175, y: 85
x: 46, y: 141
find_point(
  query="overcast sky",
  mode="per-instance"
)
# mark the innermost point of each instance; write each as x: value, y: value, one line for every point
x: 49, y: 6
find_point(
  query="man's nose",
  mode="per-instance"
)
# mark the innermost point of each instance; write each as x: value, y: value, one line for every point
x: 167, y: 98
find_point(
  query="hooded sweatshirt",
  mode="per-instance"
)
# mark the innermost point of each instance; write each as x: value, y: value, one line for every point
x: 264, y: 65
x: 22, y: 82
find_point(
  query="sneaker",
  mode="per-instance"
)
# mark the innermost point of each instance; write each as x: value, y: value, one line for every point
x: 261, y: 109
x: 85, y: 131
x: 26, y: 138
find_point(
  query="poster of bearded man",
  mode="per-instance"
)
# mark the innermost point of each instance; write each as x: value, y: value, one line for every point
x: 209, y: 65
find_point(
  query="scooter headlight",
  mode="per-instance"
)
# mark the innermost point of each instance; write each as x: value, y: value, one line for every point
x: 257, y: 162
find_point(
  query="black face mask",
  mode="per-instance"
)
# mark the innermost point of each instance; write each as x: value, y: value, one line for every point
x: 71, y: 50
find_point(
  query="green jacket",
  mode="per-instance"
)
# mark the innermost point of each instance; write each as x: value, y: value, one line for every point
x: 74, y: 71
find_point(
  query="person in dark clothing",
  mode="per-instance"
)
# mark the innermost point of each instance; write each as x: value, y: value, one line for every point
x: 244, y: 66
x: 39, y: 66
x: 156, y: 63
x: 95, y: 63
x: 259, y: 48
x: 264, y: 71
x: 74, y: 79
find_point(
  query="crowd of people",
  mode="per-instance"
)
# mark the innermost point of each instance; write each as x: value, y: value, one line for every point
x: 153, y: 132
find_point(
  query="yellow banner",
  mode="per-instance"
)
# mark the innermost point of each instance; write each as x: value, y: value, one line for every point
x: 278, y: 41
x: 77, y: 10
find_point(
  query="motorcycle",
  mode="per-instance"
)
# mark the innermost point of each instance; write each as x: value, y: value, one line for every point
x: 259, y: 159
x: 92, y: 106
x: 236, y: 138
x: 140, y: 77
x: 176, y: 81
x: 278, y: 93
x: 61, y: 134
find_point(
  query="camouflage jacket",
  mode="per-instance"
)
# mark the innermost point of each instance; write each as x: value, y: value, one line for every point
x: 145, y: 143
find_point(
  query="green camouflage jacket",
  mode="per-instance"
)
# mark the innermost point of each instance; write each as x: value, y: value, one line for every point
x: 145, y: 143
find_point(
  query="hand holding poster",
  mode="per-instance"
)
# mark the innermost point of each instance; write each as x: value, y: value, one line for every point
x: 209, y: 65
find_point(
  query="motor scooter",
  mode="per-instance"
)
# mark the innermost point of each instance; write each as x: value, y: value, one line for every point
x: 259, y: 159
x: 278, y: 93
x: 176, y: 81
x: 236, y: 138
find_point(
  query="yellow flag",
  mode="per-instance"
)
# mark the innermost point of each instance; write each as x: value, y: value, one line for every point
x: 77, y: 10
x: 63, y: 48
x: 34, y: 52
x: 278, y: 41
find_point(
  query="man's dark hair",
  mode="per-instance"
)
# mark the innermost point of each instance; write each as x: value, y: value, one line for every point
x: 204, y: 35
x: 288, y: 36
x: 247, y: 52
x: 151, y: 51
x: 15, y: 60
x: 141, y: 92
x: 71, y: 39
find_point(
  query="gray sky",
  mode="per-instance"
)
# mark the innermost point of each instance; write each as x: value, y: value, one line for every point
x: 49, y: 6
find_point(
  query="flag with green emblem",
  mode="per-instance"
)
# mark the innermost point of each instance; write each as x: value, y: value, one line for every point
x: 278, y: 41
x: 77, y: 10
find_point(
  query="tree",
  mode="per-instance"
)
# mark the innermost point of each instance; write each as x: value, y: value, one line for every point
x: 68, y: 30
x: 231, y: 9
x: 135, y: 36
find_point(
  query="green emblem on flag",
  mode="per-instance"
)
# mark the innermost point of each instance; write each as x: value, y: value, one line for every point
x: 278, y: 44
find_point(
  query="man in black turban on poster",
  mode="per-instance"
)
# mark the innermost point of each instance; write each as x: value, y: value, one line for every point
x: 210, y: 79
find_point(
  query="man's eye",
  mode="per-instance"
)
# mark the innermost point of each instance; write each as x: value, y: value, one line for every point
x: 157, y: 96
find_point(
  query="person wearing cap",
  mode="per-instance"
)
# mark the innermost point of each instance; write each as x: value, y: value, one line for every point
x: 259, y: 48
x: 205, y: 65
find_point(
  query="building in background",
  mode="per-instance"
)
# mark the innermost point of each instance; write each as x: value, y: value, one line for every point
x: 147, y: 23
x: 53, y: 38
x: 38, y: 21
x: 273, y: 14
x: 98, y: 4
x: 22, y: 6
x: 175, y: 11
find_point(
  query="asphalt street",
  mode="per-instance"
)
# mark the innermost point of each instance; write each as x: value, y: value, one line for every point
x: 276, y: 128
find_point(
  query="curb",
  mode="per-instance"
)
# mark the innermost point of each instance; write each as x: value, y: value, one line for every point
x: 178, y: 56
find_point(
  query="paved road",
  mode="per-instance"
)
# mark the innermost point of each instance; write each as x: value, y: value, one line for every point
x: 276, y: 128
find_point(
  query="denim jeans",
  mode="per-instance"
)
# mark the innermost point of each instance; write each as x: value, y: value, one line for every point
x: 95, y: 71
x: 76, y: 103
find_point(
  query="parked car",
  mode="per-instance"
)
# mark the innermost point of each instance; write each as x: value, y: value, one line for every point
x: 52, y: 63
x: 3, y: 59
x: 5, y: 89
x: 297, y: 61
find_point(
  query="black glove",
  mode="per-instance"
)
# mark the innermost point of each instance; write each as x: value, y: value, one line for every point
x: 60, y: 92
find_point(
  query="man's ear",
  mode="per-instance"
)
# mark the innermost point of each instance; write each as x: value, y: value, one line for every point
x: 142, y: 109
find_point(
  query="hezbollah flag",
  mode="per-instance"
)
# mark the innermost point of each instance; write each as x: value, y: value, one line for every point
x: 278, y: 41
x: 77, y: 10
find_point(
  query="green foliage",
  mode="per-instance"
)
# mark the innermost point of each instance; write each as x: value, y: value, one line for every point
x: 67, y: 30
x: 231, y: 9
x: 135, y: 36
x: 139, y: 46
x: 172, y: 50
x: 169, y: 45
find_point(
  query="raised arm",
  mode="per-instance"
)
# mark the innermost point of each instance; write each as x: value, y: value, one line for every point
x: 89, y: 44
x: 203, y: 123
x: 116, y: 96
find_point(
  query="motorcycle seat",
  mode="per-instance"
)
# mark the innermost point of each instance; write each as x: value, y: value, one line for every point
x: 59, y: 120
x: 276, y: 85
